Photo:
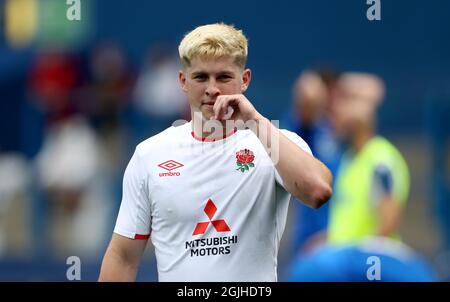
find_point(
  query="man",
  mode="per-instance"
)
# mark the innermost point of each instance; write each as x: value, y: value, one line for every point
x: 214, y: 202
x: 373, y: 181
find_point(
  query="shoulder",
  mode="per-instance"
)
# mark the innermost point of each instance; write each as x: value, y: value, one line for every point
x: 162, y: 140
x: 289, y: 134
x: 384, y: 150
x: 384, y: 157
x: 292, y: 136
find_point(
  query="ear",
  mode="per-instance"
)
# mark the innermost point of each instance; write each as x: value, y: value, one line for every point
x: 246, y: 78
x: 182, y: 79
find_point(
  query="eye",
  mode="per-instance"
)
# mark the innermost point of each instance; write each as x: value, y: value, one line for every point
x: 224, y: 77
x: 200, y: 77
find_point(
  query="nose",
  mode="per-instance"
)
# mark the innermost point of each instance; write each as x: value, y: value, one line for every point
x: 212, y: 90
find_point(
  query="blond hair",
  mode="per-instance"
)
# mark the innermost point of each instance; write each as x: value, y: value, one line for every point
x: 214, y: 41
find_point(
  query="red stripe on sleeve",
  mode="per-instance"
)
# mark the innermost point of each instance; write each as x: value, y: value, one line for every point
x: 141, y: 237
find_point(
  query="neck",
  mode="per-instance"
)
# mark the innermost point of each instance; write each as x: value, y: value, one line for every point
x: 362, y: 135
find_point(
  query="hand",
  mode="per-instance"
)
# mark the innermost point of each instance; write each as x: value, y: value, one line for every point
x: 241, y: 106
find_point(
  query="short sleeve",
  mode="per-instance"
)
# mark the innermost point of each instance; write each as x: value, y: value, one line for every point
x: 295, y: 138
x: 382, y: 179
x: 134, y: 218
x: 385, y: 183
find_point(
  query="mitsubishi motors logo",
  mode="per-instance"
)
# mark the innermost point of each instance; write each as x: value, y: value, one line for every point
x: 220, y: 225
x: 211, y: 246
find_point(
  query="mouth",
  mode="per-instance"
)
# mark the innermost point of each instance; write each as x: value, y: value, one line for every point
x: 209, y: 103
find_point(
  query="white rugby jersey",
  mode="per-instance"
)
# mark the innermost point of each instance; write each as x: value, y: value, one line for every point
x: 214, y: 210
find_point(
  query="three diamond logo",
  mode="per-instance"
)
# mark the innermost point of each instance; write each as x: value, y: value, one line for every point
x: 220, y: 225
x: 170, y: 165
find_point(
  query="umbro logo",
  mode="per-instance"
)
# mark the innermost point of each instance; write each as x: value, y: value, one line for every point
x: 169, y: 166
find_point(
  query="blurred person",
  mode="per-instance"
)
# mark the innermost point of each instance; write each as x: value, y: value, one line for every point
x: 372, y: 184
x: 218, y: 211
x: 68, y: 161
x: 156, y: 87
x: 310, y: 118
x: 369, y: 260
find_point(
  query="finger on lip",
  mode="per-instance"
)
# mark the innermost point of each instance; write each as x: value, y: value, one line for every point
x: 218, y: 113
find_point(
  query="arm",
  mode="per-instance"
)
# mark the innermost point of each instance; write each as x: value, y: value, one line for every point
x: 304, y: 176
x: 389, y: 209
x: 389, y: 212
x: 122, y: 258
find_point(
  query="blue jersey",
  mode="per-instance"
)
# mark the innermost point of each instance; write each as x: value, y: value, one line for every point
x: 353, y: 263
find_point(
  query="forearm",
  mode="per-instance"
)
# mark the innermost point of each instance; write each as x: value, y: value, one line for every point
x: 304, y: 176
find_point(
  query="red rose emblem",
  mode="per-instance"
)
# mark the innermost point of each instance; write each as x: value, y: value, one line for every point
x: 244, y: 160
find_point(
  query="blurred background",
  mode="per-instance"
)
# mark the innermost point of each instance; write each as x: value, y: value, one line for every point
x: 77, y: 96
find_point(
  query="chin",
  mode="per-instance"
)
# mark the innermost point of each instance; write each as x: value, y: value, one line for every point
x: 207, y: 113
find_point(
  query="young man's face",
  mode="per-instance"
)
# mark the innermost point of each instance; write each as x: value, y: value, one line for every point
x: 207, y: 78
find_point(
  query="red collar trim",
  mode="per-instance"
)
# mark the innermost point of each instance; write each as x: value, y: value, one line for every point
x: 209, y: 139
